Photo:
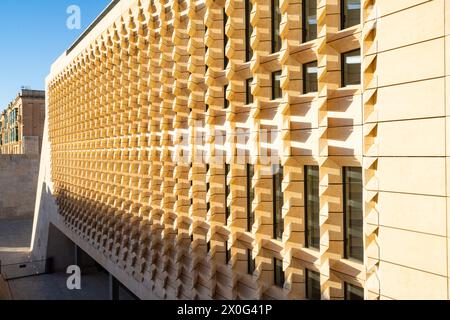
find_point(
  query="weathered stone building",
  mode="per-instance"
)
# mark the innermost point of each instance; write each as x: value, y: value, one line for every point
x: 167, y: 119
x: 22, y: 123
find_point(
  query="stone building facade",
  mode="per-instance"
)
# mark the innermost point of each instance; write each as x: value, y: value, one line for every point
x: 256, y: 149
x: 22, y: 123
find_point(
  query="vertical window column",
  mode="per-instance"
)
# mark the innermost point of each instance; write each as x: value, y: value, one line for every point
x: 352, y: 292
x: 350, y: 13
x: 277, y: 92
x: 312, y: 208
x: 227, y: 192
x: 225, y: 39
x: 312, y: 285
x: 250, y: 197
x: 351, y: 68
x: 279, y: 277
x: 248, y: 30
x: 276, y: 20
x: 353, y: 213
x: 250, y: 262
x: 277, y: 191
x: 248, y: 91
x: 309, y: 20
x: 310, y: 81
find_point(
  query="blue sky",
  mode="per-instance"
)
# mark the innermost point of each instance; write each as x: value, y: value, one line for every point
x: 33, y: 34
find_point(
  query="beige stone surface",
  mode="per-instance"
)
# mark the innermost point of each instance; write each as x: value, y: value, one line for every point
x: 407, y: 101
x: 413, y: 212
x: 412, y: 63
x: 412, y: 175
x: 429, y: 17
x: 412, y: 138
x: 401, y: 282
x: 413, y: 249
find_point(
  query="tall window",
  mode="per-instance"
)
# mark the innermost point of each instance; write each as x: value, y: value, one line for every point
x: 226, y: 103
x: 248, y: 31
x: 309, y: 20
x: 277, y: 191
x: 276, y: 85
x: 352, y: 292
x: 278, y: 272
x: 276, y: 19
x: 208, y: 186
x: 310, y: 77
x: 351, y: 68
x: 250, y: 262
x: 225, y: 39
x: 312, y: 285
x: 227, y: 192
x: 227, y: 253
x: 353, y: 213
x: 312, y: 207
x: 250, y: 197
x: 350, y: 13
x: 248, y: 91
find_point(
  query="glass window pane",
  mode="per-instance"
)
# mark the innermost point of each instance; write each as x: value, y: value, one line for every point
x: 312, y: 209
x: 310, y: 77
x: 312, y: 285
x: 250, y: 197
x: 309, y: 20
x: 250, y: 262
x: 226, y: 103
x: 248, y: 91
x: 278, y: 221
x: 227, y: 253
x: 248, y: 30
x: 351, y: 68
x: 353, y: 213
x: 276, y: 19
x: 351, y: 13
x: 278, y: 272
x: 353, y: 292
x: 276, y: 85
x: 225, y: 39
x: 227, y: 191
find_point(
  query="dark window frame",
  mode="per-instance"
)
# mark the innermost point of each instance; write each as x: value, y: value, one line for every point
x: 304, y: 24
x: 304, y: 71
x: 226, y: 103
x: 347, y: 253
x: 309, y: 244
x: 225, y: 39
x: 248, y: 91
x: 277, y: 212
x: 276, y: 43
x: 278, y: 280
x: 227, y: 253
x: 343, y: 78
x: 227, y: 193
x: 250, y: 197
x: 251, y: 266
x: 347, y: 294
x: 248, y: 30
x: 308, y: 278
x: 274, y: 75
x: 343, y: 17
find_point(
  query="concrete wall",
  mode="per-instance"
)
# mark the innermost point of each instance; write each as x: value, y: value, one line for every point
x: 18, y: 181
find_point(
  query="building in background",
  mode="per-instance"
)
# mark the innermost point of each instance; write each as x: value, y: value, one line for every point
x: 347, y: 100
x: 22, y: 123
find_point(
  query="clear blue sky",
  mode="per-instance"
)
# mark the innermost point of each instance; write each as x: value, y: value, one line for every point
x: 33, y: 34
